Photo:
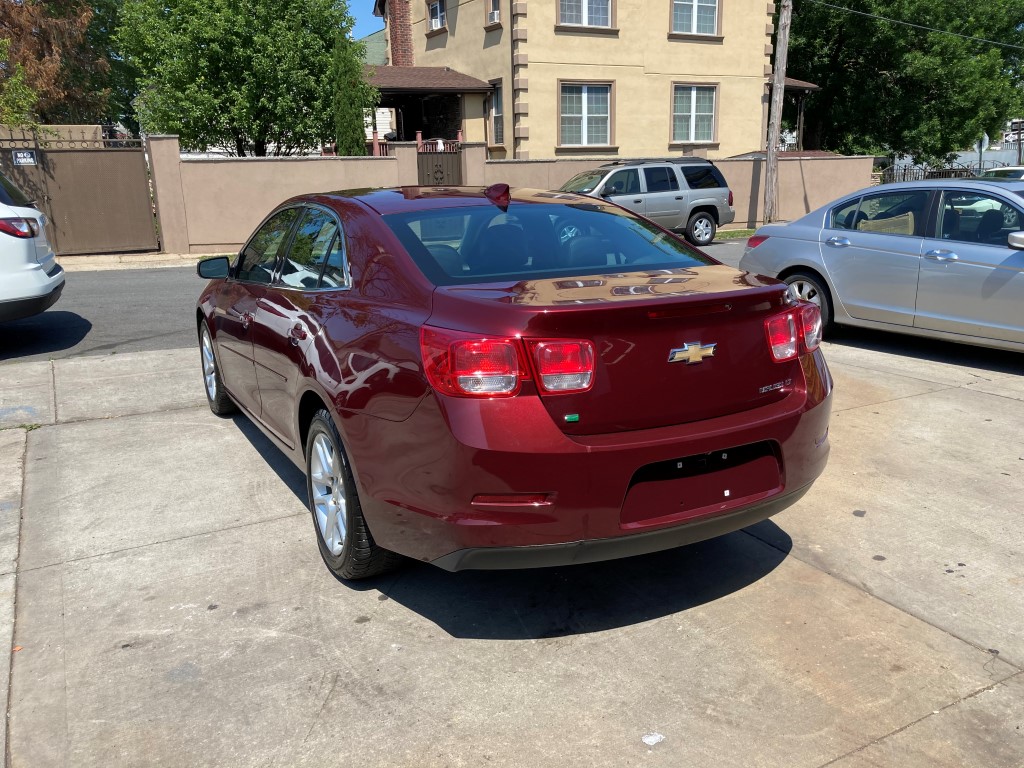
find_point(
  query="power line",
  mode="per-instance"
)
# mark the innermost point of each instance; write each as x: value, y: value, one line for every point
x: 919, y: 26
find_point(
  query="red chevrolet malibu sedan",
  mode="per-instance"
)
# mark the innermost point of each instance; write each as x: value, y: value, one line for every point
x: 496, y: 378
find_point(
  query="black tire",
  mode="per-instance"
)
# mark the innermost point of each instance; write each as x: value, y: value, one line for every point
x: 701, y: 228
x: 359, y: 557
x: 810, y: 286
x: 218, y: 398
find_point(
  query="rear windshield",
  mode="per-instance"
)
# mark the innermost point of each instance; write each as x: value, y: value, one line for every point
x: 11, y: 195
x: 535, y: 240
x: 584, y: 183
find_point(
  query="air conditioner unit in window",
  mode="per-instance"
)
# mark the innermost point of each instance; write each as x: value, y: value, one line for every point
x: 493, y: 17
x: 435, y: 24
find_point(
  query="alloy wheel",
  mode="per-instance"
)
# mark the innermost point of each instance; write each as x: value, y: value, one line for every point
x: 209, y: 366
x: 806, y: 291
x: 329, y: 502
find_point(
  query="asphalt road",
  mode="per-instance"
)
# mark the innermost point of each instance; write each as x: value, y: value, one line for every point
x: 109, y: 312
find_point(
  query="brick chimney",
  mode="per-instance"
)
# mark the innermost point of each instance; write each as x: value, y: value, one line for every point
x: 400, y: 33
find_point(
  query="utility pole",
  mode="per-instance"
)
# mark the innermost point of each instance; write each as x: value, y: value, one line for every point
x: 771, y: 181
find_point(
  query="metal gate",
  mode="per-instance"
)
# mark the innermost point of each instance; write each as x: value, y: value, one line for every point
x: 439, y: 163
x: 94, y: 191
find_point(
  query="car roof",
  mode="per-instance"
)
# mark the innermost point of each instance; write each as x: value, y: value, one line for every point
x: 663, y: 160
x: 406, y: 199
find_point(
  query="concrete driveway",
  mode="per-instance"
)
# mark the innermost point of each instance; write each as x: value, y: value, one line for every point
x: 172, y: 609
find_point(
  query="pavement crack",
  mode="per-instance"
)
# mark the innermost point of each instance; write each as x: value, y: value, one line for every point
x: 323, y: 705
x: 911, y: 724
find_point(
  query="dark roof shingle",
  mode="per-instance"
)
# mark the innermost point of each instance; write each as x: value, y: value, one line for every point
x: 392, y: 79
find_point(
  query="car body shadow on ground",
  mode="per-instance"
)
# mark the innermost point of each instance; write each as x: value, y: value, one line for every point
x: 53, y: 331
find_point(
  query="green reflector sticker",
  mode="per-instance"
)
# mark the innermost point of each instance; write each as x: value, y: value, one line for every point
x: 572, y: 417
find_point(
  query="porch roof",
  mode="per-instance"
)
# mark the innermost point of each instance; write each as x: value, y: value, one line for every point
x: 423, y: 79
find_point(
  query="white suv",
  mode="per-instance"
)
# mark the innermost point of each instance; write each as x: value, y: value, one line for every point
x: 31, y: 280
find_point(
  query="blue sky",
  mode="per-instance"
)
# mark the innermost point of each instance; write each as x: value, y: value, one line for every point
x: 366, y: 22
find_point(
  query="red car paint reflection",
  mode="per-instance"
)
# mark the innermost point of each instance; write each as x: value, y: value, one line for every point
x: 494, y: 378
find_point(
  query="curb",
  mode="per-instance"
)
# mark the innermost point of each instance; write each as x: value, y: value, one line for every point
x: 128, y: 261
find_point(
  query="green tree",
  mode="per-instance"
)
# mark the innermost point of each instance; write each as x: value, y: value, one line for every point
x: 892, y: 88
x: 17, y: 99
x: 352, y: 95
x: 253, y: 76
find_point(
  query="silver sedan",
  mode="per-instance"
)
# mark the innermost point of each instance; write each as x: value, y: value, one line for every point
x: 941, y: 258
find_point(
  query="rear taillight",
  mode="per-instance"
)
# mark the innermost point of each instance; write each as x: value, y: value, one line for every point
x: 730, y: 198
x: 466, y: 365
x: 564, y: 366
x: 23, y: 228
x: 756, y: 240
x: 794, y: 331
x: 470, y: 366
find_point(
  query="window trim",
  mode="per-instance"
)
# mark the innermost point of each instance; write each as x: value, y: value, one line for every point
x: 610, y: 146
x: 673, y: 142
x: 566, y: 26
x: 491, y: 115
x: 716, y: 36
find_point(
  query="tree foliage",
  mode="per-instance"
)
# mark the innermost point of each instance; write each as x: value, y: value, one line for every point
x: 890, y: 88
x: 252, y: 76
x: 17, y: 99
x: 50, y: 42
x: 352, y: 95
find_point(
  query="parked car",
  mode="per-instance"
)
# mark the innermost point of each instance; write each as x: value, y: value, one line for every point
x: 679, y: 193
x: 31, y: 280
x: 941, y: 258
x: 1007, y: 172
x: 465, y: 389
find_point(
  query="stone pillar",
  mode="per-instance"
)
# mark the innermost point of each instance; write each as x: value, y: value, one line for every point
x: 474, y: 155
x: 165, y: 166
x: 408, y: 171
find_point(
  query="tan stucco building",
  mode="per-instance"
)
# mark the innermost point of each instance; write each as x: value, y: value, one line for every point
x: 600, y: 78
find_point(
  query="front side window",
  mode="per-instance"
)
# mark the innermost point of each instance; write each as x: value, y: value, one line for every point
x: 624, y: 182
x: 660, y: 179
x: 695, y: 17
x: 436, y: 14
x: 497, y: 116
x: 973, y: 217
x: 693, y: 113
x: 310, y: 248
x: 585, y: 115
x: 587, y: 13
x: 261, y: 252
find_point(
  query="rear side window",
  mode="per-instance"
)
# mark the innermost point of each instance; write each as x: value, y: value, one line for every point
x: 845, y: 216
x: 313, y: 240
x: 11, y: 195
x: 703, y: 177
x: 661, y: 179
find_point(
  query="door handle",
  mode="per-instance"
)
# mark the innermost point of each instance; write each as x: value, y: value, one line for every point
x: 837, y: 241
x: 679, y: 197
x: 296, y: 334
x: 941, y: 255
x: 638, y: 201
x: 247, y: 318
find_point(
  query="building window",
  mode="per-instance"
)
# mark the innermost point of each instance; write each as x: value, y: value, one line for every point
x: 436, y: 15
x: 695, y: 17
x: 693, y: 113
x: 585, y: 115
x: 497, y: 116
x: 587, y: 13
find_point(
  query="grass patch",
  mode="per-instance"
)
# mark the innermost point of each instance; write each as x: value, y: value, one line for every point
x: 733, y: 234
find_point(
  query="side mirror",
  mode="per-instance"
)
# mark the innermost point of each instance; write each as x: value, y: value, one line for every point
x: 1016, y: 241
x: 212, y: 269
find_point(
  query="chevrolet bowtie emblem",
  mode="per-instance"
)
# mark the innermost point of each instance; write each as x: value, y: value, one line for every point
x: 691, y: 352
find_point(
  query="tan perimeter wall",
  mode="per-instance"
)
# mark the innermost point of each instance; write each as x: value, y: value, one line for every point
x: 212, y: 206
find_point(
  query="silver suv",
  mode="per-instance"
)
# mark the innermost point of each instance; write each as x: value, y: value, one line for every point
x: 681, y: 193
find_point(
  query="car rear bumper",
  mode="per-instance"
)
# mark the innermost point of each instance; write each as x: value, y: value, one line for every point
x: 596, y: 550
x: 426, y: 484
x: 15, y: 309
